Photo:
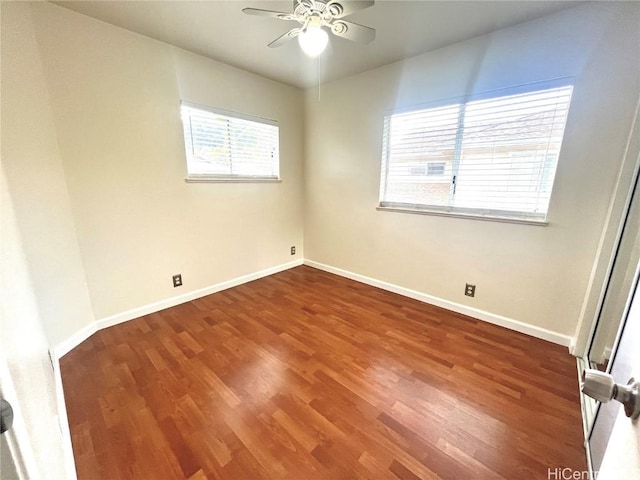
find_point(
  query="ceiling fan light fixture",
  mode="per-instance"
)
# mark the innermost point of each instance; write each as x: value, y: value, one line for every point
x: 313, y: 40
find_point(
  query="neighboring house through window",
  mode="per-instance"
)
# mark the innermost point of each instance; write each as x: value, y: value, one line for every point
x: 494, y: 157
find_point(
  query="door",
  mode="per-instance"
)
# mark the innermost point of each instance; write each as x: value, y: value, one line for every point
x: 615, y: 439
x: 38, y: 445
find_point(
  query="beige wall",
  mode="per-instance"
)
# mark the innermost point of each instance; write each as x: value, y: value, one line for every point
x: 111, y: 178
x: 115, y: 97
x: 43, y: 292
x: 536, y: 275
x: 36, y: 183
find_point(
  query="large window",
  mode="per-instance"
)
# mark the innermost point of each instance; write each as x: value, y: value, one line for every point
x: 493, y: 157
x: 228, y: 146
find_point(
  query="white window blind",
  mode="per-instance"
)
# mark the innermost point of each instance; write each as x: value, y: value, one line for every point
x: 229, y: 146
x: 495, y: 157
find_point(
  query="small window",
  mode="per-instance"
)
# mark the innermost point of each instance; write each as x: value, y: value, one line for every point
x: 431, y: 169
x: 436, y: 169
x: 494, y: 157
x: 224, y: 146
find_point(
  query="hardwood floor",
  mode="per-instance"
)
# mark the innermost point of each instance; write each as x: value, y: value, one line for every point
x: 306, y: 375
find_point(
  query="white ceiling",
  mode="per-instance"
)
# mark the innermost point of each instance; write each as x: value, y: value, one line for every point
x: 219, y: 30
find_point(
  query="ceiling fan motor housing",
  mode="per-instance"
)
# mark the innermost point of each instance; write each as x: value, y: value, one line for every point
x: 316, y: 8
x: 315, y: 14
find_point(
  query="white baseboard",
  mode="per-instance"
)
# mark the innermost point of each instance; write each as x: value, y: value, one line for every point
x: 187, y: 297
x: 604, y: 355
x: 77, y: 338
x: 63, y: 420
x: 506, y: 322
x: 64, y: 347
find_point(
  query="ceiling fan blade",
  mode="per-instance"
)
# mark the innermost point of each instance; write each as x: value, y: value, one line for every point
x: 285, y: 37
x: 347, y: 7
x: 269, y: 13
x: 353, y: 31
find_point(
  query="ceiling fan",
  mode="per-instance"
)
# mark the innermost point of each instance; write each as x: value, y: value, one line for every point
x: 314, y: 15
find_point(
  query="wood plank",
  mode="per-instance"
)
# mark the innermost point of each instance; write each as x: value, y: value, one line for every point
x: 304, y: 374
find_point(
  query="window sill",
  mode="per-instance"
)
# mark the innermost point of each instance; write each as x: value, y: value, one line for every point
x: 231, y: 179
x: 470, y: 216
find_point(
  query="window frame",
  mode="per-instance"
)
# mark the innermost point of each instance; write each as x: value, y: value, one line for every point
x: 228, y: 178
x: 518, y: 217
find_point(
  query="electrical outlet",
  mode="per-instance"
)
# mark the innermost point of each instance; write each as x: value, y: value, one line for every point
x: 177, y: 280
x: 470, y: 290
x: 293, y: 250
